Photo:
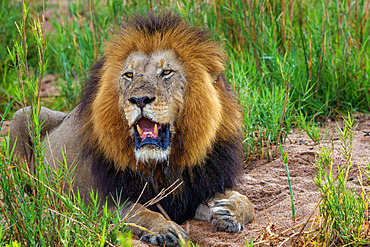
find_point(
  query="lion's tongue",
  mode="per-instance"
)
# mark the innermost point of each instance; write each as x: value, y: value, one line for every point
x: 147, y: 128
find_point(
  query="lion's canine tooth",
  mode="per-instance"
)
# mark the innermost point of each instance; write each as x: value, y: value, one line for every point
x: 141, y: 132
x: 155, y: 132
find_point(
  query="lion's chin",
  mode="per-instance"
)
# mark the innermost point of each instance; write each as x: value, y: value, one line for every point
x: 150, y: 154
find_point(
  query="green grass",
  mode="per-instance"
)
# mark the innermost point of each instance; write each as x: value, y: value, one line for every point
x: 288, y: 61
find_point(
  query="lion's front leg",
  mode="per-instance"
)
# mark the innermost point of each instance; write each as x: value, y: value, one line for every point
x: 162, y: 232
x: 227, y: 212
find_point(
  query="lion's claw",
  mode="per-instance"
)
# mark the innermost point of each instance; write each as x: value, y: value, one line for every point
x: 169, y: 237
x: 221, y: 211
x: 226, y: 224
x: 224, y: 203
x: 223, y: 219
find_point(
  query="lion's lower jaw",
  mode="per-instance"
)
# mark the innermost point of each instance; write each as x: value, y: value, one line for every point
x: 150, y: 155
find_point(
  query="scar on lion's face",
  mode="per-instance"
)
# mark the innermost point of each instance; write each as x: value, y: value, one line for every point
x: 152, y: 92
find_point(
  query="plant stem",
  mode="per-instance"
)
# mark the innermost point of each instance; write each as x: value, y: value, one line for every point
x: 285, y: 159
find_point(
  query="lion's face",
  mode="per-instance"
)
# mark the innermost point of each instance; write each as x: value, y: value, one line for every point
x: 151, y: 95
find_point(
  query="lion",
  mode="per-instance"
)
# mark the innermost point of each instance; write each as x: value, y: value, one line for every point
x: 156, y: 109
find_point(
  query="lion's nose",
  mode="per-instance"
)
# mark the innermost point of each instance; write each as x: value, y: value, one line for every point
x: 142, y: 101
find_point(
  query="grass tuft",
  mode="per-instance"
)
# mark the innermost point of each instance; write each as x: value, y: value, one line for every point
x: 343, y: 211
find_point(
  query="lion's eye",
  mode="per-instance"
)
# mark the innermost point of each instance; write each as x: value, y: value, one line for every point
x: 166, y: 72
x: 128, y: 75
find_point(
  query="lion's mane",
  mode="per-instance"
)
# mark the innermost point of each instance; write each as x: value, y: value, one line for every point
x: 207, y: 151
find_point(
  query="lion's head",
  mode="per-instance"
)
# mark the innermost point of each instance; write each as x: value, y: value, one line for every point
x: 158, y: 95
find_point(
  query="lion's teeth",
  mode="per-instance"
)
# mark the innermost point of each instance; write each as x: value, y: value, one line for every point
x: 141, y: 132
x: 155, y: 132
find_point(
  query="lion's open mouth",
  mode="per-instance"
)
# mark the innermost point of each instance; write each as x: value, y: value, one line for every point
x: 147, y: 132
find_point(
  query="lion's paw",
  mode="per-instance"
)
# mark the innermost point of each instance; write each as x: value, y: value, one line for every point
x: 167, y: 234
x: 223, y: 217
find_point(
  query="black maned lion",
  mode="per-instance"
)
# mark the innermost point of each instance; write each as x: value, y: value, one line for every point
x: 156, y: 109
